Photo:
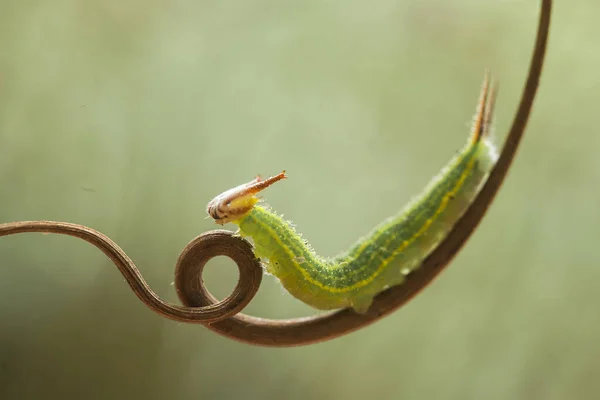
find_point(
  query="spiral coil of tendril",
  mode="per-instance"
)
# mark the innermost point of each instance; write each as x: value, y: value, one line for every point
x: 224, y: 317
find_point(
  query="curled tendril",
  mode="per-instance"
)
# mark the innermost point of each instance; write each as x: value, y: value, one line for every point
x: 224, y: 318
x: 197, y: 253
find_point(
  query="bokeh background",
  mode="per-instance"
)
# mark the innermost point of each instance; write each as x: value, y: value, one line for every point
x: 128, y: 116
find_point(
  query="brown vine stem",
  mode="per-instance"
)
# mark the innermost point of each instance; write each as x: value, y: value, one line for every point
x: 200, y: 250
x: 223, y: 317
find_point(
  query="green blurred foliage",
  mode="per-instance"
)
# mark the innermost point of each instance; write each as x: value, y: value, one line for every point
x: 128, y: 116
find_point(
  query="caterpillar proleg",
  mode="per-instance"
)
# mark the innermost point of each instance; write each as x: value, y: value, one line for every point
x: 389, y: 252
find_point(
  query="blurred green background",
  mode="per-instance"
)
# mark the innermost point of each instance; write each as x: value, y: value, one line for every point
x: 128, y: 116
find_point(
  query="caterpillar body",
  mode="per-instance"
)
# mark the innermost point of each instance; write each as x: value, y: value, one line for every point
x: 389, y: 252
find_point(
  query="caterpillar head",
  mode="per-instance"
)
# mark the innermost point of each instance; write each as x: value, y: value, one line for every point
x: 235, y: 203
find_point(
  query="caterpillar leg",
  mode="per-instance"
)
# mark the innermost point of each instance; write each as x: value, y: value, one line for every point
x: 362, y: 304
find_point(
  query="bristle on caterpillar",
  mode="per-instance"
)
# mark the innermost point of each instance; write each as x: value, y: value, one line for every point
x: 482, y: 120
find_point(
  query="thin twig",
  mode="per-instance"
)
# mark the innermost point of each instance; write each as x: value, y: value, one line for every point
x: 224, y: 317
x: 197, y: 253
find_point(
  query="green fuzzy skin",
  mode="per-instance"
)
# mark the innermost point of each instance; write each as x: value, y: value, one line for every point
x: 385, y: 256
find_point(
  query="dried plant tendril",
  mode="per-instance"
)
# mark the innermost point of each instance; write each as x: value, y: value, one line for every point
x: 224, y: 317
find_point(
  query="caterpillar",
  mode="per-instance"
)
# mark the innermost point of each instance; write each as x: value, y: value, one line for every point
x: 389, y: 252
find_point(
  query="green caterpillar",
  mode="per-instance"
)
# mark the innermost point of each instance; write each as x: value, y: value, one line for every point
x: 385, y: 256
